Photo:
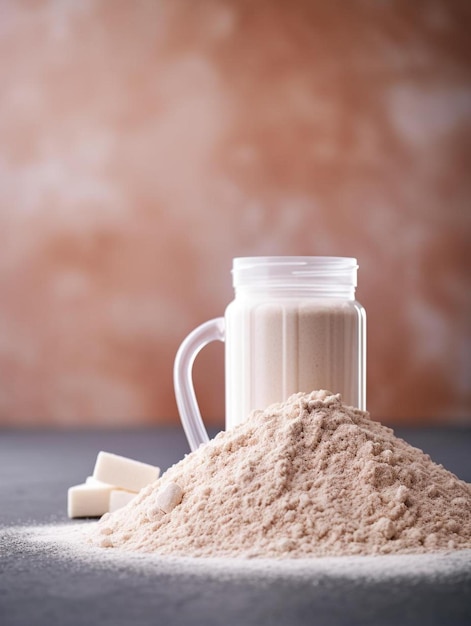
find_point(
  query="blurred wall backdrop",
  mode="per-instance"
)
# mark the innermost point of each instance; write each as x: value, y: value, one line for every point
x: 144, y: 144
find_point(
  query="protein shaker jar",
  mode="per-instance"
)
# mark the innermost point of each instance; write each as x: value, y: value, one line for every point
x: 293, y: 326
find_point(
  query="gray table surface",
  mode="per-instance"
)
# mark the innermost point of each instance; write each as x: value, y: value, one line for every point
x: 37, y: 467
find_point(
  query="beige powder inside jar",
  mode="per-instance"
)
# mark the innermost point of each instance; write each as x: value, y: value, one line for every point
x: 278, y: 348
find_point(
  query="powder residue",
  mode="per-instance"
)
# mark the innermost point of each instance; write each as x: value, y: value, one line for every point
x: 305, y: 478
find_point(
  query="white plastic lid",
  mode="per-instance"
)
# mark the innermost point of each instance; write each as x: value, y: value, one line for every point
x: 294, y: 271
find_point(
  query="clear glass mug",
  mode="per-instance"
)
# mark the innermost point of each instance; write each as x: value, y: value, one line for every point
x: 293, y: 326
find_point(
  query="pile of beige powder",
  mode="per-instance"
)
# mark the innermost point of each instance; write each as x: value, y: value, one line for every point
x: 305, y: 478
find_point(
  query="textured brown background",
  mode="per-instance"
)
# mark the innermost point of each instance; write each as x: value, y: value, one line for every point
x: 144, y: 144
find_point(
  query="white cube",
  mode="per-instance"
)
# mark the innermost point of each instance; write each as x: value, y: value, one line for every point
x: 123, y: 472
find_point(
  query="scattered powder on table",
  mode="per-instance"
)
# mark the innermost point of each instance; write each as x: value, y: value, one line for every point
x: 305, y: 478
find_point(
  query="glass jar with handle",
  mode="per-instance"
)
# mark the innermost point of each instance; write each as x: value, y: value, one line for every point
x: 293, y: 326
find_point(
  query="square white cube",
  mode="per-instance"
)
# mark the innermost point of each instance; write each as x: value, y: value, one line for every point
x: 123, y: 472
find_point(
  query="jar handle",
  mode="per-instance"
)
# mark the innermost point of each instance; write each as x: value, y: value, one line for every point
x: 188, y: 409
